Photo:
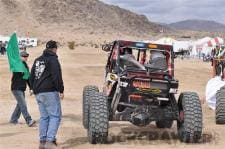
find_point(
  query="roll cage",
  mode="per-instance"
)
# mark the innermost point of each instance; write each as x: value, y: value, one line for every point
x: 141, y: 48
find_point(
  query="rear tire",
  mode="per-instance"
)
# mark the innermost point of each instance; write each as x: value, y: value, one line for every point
x: 220, y: 106
x: 88, y: 91
x: 98, y: 119
x: 189, y: 124
x: 164, y: 124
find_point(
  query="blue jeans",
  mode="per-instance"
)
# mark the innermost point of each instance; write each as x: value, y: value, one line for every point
x: 50, y: 112
x: 21, y: 107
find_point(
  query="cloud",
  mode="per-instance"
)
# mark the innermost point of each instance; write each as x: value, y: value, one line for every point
x: 168, y: 11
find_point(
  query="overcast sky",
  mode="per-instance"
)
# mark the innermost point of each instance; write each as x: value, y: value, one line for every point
x: 167, y: 11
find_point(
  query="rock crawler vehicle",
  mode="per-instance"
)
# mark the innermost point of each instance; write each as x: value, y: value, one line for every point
x: 140, y: 88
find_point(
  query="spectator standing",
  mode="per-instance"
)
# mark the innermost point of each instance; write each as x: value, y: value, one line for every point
x: 47, y: 84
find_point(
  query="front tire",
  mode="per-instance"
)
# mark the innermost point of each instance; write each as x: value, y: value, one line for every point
x: 98, y: 119
x: 88, y: 92
x: 189, y: 124
x: 220, y: 106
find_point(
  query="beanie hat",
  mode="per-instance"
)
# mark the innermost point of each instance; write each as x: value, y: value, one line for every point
x: 51, y: 44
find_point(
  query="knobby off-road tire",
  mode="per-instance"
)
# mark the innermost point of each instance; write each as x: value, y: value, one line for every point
x: 189, y: 124
x: 98, y: 119
x: 220, y: 106
x: 88, y: 91
x: 164, y: 124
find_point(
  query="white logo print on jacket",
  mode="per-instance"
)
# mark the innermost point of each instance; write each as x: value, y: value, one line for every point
x: 39, y: 69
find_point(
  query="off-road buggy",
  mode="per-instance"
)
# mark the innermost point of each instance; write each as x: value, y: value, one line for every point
x: 218, y: 64
x: 140, y: 88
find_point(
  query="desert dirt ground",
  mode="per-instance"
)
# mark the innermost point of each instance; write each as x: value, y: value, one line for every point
x: 84, y: 66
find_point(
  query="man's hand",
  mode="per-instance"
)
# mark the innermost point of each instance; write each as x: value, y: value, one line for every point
x: 61, y: 95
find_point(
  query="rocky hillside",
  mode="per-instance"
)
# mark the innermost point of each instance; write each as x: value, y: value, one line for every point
x: 65, y: 19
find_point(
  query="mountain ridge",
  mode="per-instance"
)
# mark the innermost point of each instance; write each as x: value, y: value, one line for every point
x: 198, y: 25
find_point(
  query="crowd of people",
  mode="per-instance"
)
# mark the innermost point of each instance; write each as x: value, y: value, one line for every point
x: 182, y: 53
x: 216, y: 52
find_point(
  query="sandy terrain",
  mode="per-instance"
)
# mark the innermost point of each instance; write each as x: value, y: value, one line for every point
x: 84, y: 66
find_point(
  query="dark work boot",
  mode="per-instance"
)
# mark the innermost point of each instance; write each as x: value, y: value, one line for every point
x: 31, y: 123
x: 42, y: 144
x: 51, y: 145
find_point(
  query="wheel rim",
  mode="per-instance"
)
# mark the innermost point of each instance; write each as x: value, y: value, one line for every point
x: 181, y: 116
x: 180, y: 122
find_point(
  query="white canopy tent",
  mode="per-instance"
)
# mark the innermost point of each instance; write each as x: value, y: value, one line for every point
x: 202, y: 41
x: 4, y: 39
x: 165, y: 40
x: 203, y: 45
x: 208, y: 46
x: 178, y: 45
x: 198, y: 45
x: 21, y: 41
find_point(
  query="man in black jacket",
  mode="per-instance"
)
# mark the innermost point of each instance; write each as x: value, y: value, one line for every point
x: 47, y: 84
x: 18, y: 87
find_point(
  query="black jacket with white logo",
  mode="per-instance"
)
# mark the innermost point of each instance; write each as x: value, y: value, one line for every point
x: 46, y: 74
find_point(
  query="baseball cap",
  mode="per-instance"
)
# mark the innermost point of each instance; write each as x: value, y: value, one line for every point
x: 24, y: 54
x: 51, y: 44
